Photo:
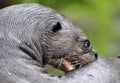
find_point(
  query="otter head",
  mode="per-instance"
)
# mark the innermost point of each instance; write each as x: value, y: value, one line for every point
x: 65, y: 39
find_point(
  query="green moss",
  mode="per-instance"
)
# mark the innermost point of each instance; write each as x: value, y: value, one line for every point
x: 53, y: 71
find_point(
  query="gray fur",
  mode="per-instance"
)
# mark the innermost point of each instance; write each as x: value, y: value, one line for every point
x: 29, y: 39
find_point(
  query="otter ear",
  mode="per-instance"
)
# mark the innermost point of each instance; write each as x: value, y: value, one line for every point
x: 57, y: 27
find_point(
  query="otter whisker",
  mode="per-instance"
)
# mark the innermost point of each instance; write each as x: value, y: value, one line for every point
x: 78, y: 61
x: 59, y: 65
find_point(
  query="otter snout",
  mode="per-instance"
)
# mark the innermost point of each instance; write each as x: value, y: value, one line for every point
x: 95, y: 54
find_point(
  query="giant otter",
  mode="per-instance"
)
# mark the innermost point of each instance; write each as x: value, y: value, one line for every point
x: 31, y: 36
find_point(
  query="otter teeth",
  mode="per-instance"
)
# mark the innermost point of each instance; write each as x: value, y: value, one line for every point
x: 68, y: 65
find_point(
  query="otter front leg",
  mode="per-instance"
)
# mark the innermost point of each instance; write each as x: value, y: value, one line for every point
x: 31, y: 51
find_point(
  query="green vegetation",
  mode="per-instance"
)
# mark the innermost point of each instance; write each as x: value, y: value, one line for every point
x: 53, y: 71
x: 100, y: 19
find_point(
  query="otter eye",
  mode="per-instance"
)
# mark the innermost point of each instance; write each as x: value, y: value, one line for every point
x: 86, y: 43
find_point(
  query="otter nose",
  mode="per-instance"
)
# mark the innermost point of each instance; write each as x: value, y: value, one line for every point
x: 95, y: 54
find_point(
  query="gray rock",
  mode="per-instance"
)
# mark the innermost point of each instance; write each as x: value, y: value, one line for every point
x: 104, y: 70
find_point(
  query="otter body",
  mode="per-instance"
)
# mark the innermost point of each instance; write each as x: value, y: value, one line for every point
x: 31, y: 36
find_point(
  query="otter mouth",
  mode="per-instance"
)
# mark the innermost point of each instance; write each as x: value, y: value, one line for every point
x: 70, y: 63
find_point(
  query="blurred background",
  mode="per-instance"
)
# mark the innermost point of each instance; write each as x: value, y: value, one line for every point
x: 100, y: 20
